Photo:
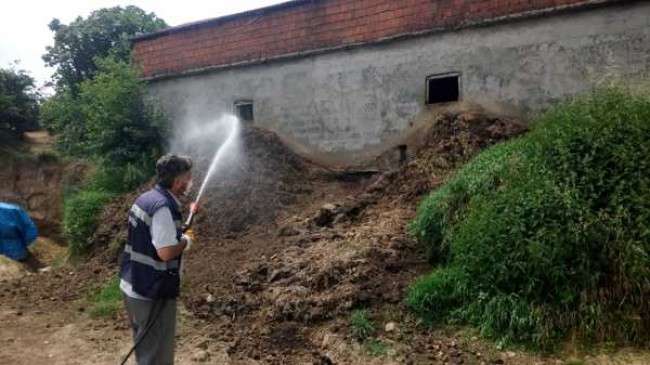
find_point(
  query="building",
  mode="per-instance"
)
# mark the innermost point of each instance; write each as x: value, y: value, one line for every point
x: 343, y: 75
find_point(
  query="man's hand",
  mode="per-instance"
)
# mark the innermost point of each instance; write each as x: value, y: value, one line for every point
x: 189, y: 237
x: 195, y: 207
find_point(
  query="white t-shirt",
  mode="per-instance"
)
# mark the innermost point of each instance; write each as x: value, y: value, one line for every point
x: 163, y: 229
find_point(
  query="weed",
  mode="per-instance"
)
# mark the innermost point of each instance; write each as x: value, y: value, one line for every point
x: 108, y: 301
x: 376, y: 348
x: 361, y: 324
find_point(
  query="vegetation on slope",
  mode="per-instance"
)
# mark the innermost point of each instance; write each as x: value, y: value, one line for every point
x: 548, y: 236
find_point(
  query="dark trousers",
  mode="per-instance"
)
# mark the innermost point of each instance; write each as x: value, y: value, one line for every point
x: 157, y: 346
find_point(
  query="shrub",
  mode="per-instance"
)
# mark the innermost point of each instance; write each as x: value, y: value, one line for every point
x: 110, y: 118
x: 120, y: 179
x: 548, y: 235
x: 83, y: 207
x: 80, y: 219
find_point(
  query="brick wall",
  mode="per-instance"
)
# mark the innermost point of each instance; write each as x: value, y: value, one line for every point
x: 312, y: 24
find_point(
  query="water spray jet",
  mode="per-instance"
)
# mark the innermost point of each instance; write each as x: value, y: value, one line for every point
x: 232, y: 126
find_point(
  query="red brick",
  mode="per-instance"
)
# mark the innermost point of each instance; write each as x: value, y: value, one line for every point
x: 313, y: 25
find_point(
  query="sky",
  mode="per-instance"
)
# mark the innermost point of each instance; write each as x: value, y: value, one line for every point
x: 24, y: 33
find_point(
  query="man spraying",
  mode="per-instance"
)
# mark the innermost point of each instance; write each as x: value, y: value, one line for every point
x: 149, y: 276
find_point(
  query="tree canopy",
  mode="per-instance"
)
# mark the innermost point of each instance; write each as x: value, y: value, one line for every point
x: 18, y: 101
x: 100, y: 109
x: 110, y: 118
x: 105, y: 31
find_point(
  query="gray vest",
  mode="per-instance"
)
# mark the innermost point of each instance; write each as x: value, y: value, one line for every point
x: 147, y: 274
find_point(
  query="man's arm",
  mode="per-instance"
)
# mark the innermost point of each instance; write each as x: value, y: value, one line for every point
x: 163, y: 234
x: 172, y: 252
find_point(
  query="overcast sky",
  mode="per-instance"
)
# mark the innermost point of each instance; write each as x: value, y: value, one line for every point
x: 24, y: 33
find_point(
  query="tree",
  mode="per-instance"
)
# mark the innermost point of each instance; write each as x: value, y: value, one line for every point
x: 109, y: 119
x: 78, y: 45
x: 18, y: 102
x: 99, y: 109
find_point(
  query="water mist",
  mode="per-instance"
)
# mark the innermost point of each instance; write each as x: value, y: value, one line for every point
x: 228, y: 125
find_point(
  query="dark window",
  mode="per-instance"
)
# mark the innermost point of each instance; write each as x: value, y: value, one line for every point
x: 244, y: 110
x: 443, y: 88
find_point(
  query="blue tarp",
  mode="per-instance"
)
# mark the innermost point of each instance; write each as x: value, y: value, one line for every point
x: 17, y: 231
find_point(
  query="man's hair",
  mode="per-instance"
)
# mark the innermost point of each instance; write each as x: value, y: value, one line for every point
x: 170, y: 167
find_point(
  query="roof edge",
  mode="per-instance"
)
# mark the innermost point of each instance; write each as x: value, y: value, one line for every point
x: 561, y: 9
x: 222, y: 19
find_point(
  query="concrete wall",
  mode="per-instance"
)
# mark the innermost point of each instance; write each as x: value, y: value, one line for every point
x: 306, y: 25
x: 350, y: 100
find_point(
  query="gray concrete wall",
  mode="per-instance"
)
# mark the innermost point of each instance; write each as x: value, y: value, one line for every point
x: 350, y: 100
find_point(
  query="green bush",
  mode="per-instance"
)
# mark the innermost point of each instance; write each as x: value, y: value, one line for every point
x: 120, y: 179
x: 549, y: 235
x: 110, y: 119
x: 80, y: 219
x: 83, y: 207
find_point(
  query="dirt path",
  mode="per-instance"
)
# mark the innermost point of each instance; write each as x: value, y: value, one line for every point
x: 56, y: 338
x: 63, y: 337
x: 39, y: 142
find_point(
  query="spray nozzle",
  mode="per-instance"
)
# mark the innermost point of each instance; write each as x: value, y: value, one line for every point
x: 190, y: 219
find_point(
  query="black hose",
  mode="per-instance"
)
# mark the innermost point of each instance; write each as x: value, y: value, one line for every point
x: 158, y: 307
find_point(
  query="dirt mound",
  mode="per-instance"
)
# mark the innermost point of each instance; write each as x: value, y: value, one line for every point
x: 322, y: 260
x: 111, y: 232
x: 267, y: 178
x: 441, y: 141
x: 272, y: 254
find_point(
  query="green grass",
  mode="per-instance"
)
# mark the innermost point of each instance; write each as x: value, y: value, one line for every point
x: 547, y: 236
x: 376, y: 348
x: 108, y: 301
x: 360, y: 324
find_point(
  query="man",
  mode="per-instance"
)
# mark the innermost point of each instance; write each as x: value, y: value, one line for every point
x: 17, y: 231
x: 151, y: 261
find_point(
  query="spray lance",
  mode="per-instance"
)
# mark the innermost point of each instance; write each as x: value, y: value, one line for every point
x: 190, y: 219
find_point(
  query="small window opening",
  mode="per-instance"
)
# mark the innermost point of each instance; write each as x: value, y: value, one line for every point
x: 244, y: 110
x: 443, y: 88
